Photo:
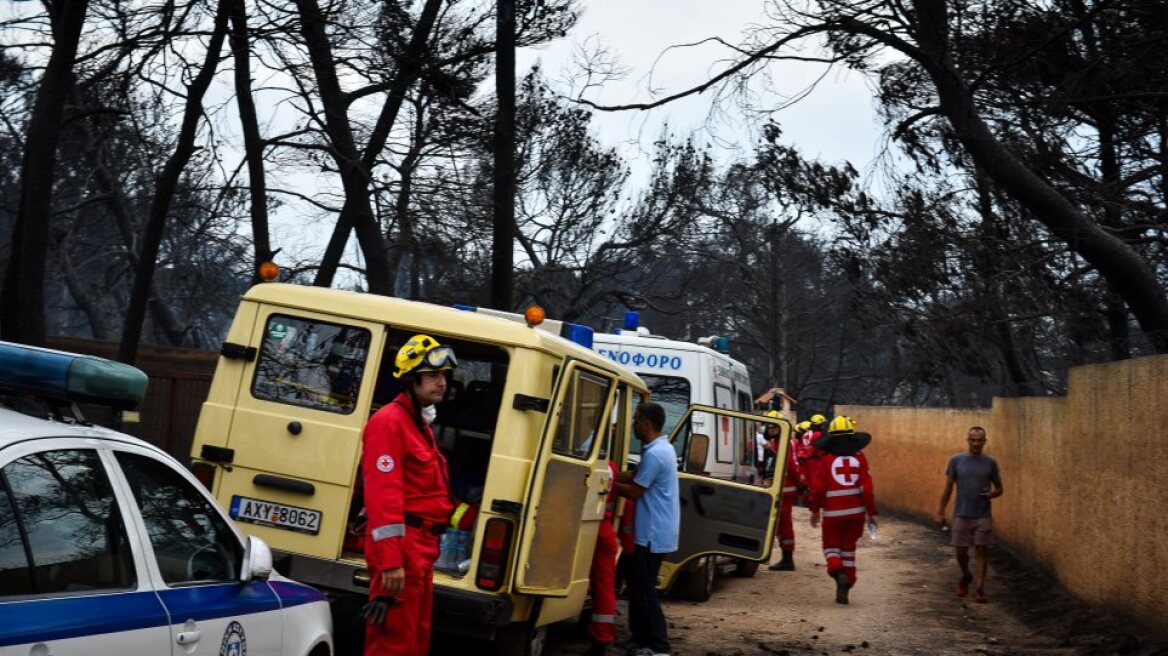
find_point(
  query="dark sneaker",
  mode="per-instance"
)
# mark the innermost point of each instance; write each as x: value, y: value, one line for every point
x: 841, y: 588
x: 979, y: 596
x: 963, y: 586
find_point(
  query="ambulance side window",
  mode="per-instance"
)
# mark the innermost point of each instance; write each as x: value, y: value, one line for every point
x: 192, y: 542
x: 583, y: 415
x: 75, y: 537
x: 309, y: 363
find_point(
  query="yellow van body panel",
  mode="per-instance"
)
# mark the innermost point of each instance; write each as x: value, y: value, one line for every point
x: 323, y: 449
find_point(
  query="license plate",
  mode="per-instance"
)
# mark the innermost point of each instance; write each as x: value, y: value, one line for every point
x: 276, y: 515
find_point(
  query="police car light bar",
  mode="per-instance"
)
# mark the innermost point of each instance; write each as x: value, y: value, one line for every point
x: 572, y: 332
x: 69, y: 376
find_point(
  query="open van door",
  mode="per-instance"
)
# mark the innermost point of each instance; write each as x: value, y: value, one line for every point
x: 720, y: 517
x: 567, y: 496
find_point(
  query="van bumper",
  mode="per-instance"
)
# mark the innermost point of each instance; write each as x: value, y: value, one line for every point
x: 458, y: 612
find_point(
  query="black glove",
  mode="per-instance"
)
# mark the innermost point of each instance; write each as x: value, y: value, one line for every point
x: 374, y: 611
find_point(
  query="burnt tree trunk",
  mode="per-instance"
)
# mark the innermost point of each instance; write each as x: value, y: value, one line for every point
x: 1125, y: 270
x: 354, y: 210
x: 253, y: 144
x: 22, y: 295
x: 165, y: 188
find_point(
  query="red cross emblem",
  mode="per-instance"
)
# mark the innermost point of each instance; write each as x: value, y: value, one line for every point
x: 845, y: 470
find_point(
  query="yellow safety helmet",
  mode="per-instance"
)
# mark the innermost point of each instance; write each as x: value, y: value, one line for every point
x: 423, y: 353
x: 818, y: 419
x: 804, y: 425
x: 842, y: 424
x: 773, y: 414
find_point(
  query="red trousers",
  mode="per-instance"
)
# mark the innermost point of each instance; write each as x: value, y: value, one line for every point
x: 406, y: 631
x: 602, y: 626
x: 786, y: 526
x: 839, y: 544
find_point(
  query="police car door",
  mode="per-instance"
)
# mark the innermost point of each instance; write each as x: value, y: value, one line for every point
x: 566, y: 498
x: 73, y: 579
x: 720, y: 516
x: 196, y: 558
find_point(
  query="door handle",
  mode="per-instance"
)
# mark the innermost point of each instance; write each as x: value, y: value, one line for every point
x: 188, y: 637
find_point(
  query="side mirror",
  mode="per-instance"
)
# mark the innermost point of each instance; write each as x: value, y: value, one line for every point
x: 695, y: 458
x: 257, y: 561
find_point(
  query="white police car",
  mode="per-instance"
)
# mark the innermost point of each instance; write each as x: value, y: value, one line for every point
x: 109, y: 546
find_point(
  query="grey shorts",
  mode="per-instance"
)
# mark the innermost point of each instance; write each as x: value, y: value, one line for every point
x: 972, y: 531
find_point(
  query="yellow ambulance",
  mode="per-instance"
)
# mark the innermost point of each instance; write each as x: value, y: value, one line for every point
x: 278, y: 442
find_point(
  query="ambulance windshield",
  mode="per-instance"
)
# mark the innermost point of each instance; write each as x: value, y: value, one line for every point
x: 671, y: 393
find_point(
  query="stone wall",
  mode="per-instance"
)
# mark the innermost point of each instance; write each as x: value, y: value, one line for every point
x: 1085, y: 478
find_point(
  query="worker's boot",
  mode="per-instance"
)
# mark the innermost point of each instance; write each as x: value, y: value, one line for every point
x: 786, y: 564
x: 841, y: 587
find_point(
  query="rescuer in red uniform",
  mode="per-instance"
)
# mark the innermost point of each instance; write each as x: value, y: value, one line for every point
x: 786, y: 528
x: 602, y: 624
x: 843, y: 489
x: 408, y: 503
x: 809, y: 457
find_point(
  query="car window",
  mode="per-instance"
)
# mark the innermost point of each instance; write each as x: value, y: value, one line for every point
x: 15, y: 572
x: 315, y: 364
x: 74, y: 537
x: 192, y: 541
x: 583, y: 414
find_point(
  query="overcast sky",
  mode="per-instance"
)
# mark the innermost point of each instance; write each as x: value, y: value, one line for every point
x: 836, y: 122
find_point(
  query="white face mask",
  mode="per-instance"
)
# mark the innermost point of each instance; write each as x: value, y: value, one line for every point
x: 429, y: 414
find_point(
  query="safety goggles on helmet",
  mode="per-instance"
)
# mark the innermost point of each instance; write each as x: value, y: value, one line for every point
x: 423, y: 353
x: 438, y: 359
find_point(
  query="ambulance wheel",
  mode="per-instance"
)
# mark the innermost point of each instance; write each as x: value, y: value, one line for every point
x: 745, y: 568
x: 520, y: 639
x: 699, y: 584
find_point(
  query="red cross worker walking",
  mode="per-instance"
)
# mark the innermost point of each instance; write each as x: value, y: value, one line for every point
x: 408, y: 503
x: 842, y: 489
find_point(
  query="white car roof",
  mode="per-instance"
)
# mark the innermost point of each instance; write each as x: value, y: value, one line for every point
x: 17, y: 427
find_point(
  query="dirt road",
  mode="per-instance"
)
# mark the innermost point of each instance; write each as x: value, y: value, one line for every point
x: 903, y: 603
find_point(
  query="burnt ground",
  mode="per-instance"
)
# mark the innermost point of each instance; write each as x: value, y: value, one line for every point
x: 902, y: 604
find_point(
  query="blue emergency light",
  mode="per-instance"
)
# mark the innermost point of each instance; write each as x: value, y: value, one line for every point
x: 721, y: 344
x: 574, y: 332
x: 631, y: 321
x: 69, y: 376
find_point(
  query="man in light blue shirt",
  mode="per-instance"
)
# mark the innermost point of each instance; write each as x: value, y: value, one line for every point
x: 655, y: 527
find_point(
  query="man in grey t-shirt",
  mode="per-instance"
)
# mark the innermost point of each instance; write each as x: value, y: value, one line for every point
x: 976, y: 477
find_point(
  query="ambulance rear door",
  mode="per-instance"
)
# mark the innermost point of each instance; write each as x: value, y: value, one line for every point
x: 721, y: 517
x: 566, y: 500
x: 295, y: 437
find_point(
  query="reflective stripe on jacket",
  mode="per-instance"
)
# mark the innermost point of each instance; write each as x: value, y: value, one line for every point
x: 843, y: 486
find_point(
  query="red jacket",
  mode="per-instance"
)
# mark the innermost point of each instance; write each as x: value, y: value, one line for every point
x: 843, y: 487
x: 793, y: 477
x: 404, y: 473
x: 606, y: 529
x: 809, y: 457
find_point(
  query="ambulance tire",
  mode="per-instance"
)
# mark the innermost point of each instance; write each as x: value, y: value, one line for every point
x: 520, y: 639
x: 699, y: 583
x: 745, y: 568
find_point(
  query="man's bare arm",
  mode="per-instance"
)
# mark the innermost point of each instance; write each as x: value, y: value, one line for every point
x: 940, y: 516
